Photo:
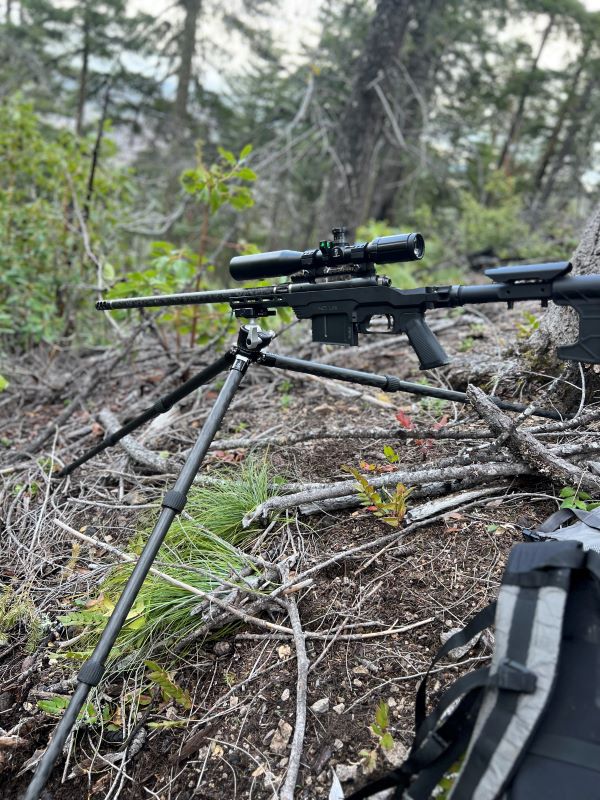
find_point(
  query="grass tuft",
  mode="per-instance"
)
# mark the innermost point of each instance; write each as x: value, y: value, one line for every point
x: 202, y: 548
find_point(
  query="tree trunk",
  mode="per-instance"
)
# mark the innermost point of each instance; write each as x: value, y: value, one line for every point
x: 413, y: 94
x: 568, y: 145
x: 554, y: 137
x: 188, y: 50
x: 83, y: 75
x: 360, y: 127
x: 517, y: 119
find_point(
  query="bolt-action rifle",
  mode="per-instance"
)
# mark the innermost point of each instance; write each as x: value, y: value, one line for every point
x: 337, y: 288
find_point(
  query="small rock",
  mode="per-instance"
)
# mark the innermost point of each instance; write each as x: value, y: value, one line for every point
x: 391, y: 702
x: 284, y: 761
x: 233, y: 701
x: 357, y: 682
x: 285, y: 695
x: 339, y: 708
x: 338, y: 744
x: 396, y: 755
x: 321, y: 706
x: 281, y: 737
x: 222, y: 648
x: 458, y: 652
x: 360, y: 671
x: 284, y: 651
x: 347, y: 772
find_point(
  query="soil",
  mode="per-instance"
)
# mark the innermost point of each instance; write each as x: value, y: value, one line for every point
x: 243, y: 682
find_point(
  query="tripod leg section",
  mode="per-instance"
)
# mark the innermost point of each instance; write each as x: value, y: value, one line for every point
x: 173, y: 502
x: 160, y: 407
x: 388, y: 383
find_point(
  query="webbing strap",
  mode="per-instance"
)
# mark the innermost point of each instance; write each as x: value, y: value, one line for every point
x: 455, y: 730
x: 483, y: 619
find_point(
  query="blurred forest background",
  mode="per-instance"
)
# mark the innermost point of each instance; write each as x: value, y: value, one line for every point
x: 144, y: 144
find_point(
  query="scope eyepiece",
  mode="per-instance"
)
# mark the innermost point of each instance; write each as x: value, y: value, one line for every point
x: 279, y: 263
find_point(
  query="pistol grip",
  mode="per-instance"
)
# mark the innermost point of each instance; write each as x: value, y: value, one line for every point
x: 429, y: 351
x: 587, y: 346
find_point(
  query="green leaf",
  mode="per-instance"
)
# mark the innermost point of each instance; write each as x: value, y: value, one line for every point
x: 567, y: 492
x: 391, y: 455
x: 246, y: 174
x: 382, y: 715
x: 227, y: 155
x: 246, y: 151
x: 169, y: 688
x: 387, y: 742
x: 4, y: 384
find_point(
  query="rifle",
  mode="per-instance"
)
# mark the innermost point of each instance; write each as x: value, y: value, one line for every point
x: 337, y: 288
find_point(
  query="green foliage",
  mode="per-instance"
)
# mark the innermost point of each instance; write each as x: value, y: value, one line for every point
x: 390, y: 507
x: 169, y: 689
x: 57, y: 704
x: 45, y: 273
x: 224, y: 182
x: 529, y: 324
x: 177, y: 269
x: 18, y: 611
x: 200, y: 550
x: 380, y: 728
x: 574, y: 498
x: 4, y: 383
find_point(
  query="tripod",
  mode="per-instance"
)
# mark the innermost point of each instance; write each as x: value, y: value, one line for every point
x: 249, y: 349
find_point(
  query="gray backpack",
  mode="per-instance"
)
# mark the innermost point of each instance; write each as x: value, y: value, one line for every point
x: 527, y: 726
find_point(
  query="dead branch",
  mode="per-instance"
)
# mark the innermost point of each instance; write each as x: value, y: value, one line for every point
x: 302, y: 665
x: 527, y: 448
x: 135, y: 450
x: 483, y: 473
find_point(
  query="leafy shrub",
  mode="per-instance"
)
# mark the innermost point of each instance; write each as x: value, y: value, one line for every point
x: 45, y: 273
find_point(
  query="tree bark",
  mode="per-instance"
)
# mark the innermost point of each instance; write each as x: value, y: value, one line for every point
x: 554, y: 137
x: 517, y: 119
x: 412, y: 96
x: 360, y: 126
x: 83, y: 75
x: 188, y: 50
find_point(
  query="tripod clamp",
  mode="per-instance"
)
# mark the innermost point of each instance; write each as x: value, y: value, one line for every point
x: 251, y: 340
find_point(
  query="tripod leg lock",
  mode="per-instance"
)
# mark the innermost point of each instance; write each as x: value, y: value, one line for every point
x: 174, y: 500
x: 91, y: 672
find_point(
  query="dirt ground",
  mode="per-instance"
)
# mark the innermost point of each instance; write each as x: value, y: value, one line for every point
x: 380, y: 613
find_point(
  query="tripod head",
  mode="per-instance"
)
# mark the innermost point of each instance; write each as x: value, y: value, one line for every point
x: 333, y: 257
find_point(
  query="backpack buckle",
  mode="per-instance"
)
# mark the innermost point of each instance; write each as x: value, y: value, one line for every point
x: 514, y: 677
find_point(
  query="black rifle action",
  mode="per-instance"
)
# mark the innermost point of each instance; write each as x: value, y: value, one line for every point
x: 337, y: 288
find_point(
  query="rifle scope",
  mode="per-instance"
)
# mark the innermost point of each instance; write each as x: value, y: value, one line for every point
x: 329, y: 255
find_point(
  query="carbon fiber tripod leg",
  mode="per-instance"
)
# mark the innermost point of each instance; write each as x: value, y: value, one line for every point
x: 173, y: 502
x: 161, y: 405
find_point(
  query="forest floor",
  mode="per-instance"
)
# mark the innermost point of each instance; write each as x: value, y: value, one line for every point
x: 371, y: 618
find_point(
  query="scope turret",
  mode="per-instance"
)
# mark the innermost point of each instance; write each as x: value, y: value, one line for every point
x: 329, y: 256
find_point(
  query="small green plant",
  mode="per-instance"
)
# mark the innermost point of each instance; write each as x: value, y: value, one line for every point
x: 389, y: 507
x: 573, y: 498
x: 380, y: 728
x: 528, y: 325
x: 169, y: 689
x: 18, y: 611
x: 466, y: 344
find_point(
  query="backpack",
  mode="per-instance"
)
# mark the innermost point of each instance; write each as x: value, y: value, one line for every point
x: 527, y: 726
